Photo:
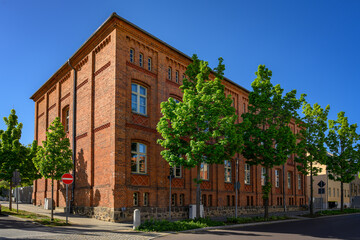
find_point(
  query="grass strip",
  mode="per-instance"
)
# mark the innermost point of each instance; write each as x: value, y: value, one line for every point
x: 182, y: 225
x: 38, y: 218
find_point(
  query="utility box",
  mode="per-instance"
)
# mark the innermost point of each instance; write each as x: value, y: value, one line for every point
x: 192, y: 211
x: 48, y: 204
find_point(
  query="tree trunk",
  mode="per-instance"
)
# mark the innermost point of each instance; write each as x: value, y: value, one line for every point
x: 266, y: 193
x: 10, y: 196
x: 198, y: 197
x: 342, y: 196
x: 311, y: 191
x: 52, y: 200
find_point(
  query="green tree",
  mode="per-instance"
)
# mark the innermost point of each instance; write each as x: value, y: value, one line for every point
x: 269, y: 139
x: 11, y: 154
x: 28, y: 171
x: 53, y: 159
x: 311, y: 149
x: 343, y: 161
x: 202, y: 128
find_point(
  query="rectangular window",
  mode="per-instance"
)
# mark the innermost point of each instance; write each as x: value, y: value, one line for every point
x: 138, y: 98
x: 66, y: 118
x: 169, y: 73
x: 173, y: 199
x: 233, y: 200
x: 210, y: 200
x: 329, y: 192
x: 146, y: 199
x: 141, y: 60
x: 177, y: 77
x: 131, y: 55
x: 263, y: 174
x: 247, y: 173
x: 136, y: 199
x: 227, y: 166
x: 149, y: 64
x: 289, y: 179
x: 138, y: 158
x: 228, y: 200
x: 204, y: 171
x: 277, y: 178
x: 175, y: 171
x: 203, y: 200
x: 299, y: 181
x: 181, y: 200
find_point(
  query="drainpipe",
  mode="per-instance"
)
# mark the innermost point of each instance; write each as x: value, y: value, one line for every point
x: 73, y: 137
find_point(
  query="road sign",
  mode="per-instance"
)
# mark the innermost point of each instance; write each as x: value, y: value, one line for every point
x: 16, y: 179
x: 321, y: 191
x: 321, y: 184
x: 67, y: 178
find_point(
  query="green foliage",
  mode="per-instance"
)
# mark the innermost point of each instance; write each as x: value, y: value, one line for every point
x: 333, y: 212
x: 343, y: 142
x: 11, y: 154
x: 201, y: 128
x: 269, y: 140
x: 311, y: 149
x: 53, y: 159
x: 164, y: 225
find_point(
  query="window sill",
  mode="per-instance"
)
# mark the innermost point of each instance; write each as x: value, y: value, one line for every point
x: 136, y: 173
x: 144, y: 115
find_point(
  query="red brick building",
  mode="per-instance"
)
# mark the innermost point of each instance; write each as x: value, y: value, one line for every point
x: 122, y: 74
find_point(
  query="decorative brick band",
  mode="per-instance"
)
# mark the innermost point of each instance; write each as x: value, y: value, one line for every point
x: 52, y: 89
x: 66, y: 77
x: 102, y: 68
x: 64, y: 97
x: 82, y: 63
x: 82, y: 84
x: 172, y: 83
x: 42, y: 114
x: 103, y: 44
x: 141, y: 69
x: 81, y: 136
x: 52, y: 106
x: 102, y: 127
x: 130, y: 125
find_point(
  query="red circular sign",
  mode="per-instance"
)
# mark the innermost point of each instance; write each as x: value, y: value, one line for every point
x: 67, y: 178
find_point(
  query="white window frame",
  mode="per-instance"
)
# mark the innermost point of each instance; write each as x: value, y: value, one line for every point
x: 289, y: 180
x: 149, y: 64
x: 181, y: 199
x: 135, y: 199
x: 138, y: 97
x: 173, y: 199
x: 204, y: 167
x: 263, y: 173
x: 146, y: 199
x: 177, y: 76
x: 132, y: 54
x: 227, y: 171
x: 141, y: 60
x: 169, y: 73
x: 173, y: 169
x: 247, y: 177
x: 277, y: 178
x: 138, y: 156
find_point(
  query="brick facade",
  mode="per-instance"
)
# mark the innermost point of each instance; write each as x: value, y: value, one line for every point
x: 106, y: 127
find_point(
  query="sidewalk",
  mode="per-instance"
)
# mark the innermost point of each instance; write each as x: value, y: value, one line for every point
x: 75, y: 220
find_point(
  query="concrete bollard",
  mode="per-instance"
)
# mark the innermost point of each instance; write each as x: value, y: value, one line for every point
x: 137, y: 220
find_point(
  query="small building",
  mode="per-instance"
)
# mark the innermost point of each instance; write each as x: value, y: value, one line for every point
x: 331, y: 197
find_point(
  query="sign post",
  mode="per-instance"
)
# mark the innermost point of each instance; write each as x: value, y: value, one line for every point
x: 321, y: 184
x: 16, y: 179
x: 67, y: 179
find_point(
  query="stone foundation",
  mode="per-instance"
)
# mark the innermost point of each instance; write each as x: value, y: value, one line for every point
x: 178, y: 213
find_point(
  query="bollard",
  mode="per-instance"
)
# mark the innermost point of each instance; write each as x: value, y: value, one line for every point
x: 137, y: 220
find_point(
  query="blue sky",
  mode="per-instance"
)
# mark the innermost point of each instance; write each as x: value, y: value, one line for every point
x: 311, y: 46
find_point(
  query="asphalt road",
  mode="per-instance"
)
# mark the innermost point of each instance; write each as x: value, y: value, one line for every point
x: 335, y: 227
x: 15, y: 228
